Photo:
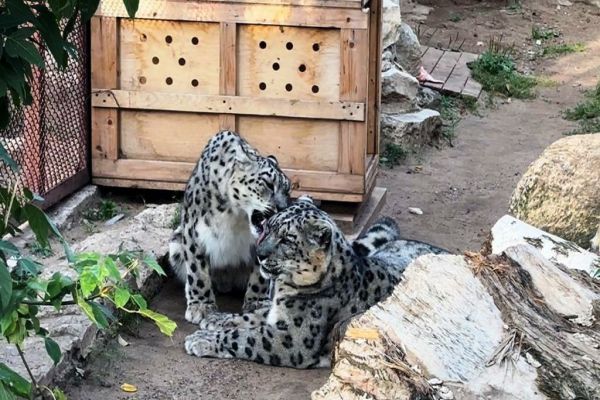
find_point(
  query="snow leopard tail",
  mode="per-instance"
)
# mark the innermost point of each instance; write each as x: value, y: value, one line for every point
x: 176, y: 255
x: 383, y: 231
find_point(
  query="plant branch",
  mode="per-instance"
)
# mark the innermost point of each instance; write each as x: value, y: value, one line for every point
x: 63, y: 303
x: 33, y: 381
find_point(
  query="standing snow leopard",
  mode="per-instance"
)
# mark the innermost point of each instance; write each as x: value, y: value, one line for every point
x: 319, y: 280
x: 231, y: 192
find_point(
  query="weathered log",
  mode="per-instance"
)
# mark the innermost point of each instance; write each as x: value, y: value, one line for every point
x: 480, y: 326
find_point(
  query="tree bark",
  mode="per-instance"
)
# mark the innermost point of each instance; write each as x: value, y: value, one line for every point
x: 514, y: 325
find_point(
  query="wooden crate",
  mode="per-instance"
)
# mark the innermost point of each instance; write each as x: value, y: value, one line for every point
x: 297, y: 78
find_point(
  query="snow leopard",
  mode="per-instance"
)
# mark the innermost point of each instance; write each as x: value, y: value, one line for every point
x: 231, y: 192
x: 319, y: 280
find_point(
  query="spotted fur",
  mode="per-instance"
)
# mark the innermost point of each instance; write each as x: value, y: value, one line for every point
x: 214, y: 245
x: 319, y: 280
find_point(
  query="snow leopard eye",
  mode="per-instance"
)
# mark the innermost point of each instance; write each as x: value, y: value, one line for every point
x: 269, y: 185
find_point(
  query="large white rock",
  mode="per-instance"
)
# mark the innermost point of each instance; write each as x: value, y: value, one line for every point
x: 509, y: 232
x: 408, y: 49
x: 482, y: 326
x: 410, y: 129
x: 560, y: 192
x: 398, y: 90
x: 390, y: 24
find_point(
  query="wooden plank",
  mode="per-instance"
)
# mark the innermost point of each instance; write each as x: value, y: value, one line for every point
x: 472, y: 88
x: 431, y: 59
x: 457, y: 79
x: 139, y: 184
x: 104, y: 71
x: 374, y: 89
x: 165, y: 136
x: 297, y: 143
x: 315, y: 3
x: 169, y: 56
x: 241, y: 105
x: 170, y: 171
x: 353, y: 86
x: 262, y: 14
x: 288, y: 62
x: 180, y: 186
x: 227, y: 69
x: 444, y: 68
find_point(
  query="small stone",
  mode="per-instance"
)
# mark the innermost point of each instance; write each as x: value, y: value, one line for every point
x: 532, y: 361
x: 435, y: 382
x: 410, y: 130
x: 565, y: 3
x: 445, y: 393
x: 415, y: 210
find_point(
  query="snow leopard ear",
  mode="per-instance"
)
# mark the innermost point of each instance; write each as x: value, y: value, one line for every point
x: 244, y: 156
x: 273, y: 159
x: 306, y: 199
x: 319, y: 232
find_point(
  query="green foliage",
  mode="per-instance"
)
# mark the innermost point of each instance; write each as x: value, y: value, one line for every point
x: 392, y: 155
x: 25, y: 26
x: 176, y: 220
x: 586, y: 113
x: 450, y: 114
x: 98, y: 286
x: 538, y: 33
x: 106, y: 210
x: 455, y: 17
x: 561, y: 49
x: 496, y: 70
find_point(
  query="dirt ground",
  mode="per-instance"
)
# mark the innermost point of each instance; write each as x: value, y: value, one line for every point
x: 462, y: 191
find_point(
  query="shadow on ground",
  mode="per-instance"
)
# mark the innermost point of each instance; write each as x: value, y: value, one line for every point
x: 160, y: 369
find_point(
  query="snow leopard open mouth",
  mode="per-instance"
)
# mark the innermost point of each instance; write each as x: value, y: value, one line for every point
x: 259, y: 222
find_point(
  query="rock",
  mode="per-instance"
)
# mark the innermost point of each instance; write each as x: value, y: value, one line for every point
x: 398, y: 90
x: 387, y: 60
x: 434, y: 328
x: 390, y: 25
x: 565, y: 3
x: 428, y: 98
x: 415, y: 210
x: 595, y: 242
x: 560, y: 192
x: 410, y: 130
x: 509, y: 232
x: 595, y: 3
x: 408, y: 50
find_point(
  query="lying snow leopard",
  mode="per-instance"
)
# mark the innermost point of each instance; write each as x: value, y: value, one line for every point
x: 319, y: 280
x: 228, y: 197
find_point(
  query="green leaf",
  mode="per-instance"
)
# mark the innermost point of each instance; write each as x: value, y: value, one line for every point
x: 4, y: 120
x: 14, y: 382
x: 51, y: 33
x: 132, y: 7
x: 88, y: 282
x: 140, y: 301
x: 122, y: 296
x: 4, y: 393
x: 100, y: 314
x: 165, y: 325
x: 52, y: 349
x: 8, y: 248
x: 26, y: 266
x: 111, y: 269
x: 4, y: 156
x: 24, y: 49
x: 5, y: 285
x: 38, y: 223
x: 88, y: 8
x: 151, y: 262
